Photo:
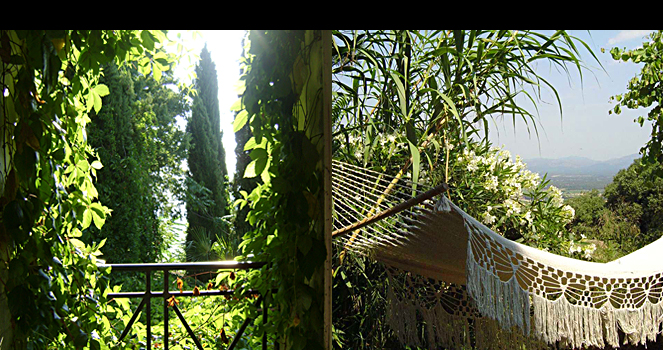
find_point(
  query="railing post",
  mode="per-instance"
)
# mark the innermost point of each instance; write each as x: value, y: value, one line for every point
x: 165, y: 309
x: 148, y: 296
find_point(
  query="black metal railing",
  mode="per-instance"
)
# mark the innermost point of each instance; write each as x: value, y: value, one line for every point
x: 148, y: 294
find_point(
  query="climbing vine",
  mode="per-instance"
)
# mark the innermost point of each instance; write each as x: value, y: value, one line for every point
x: 286, y: 206
x: 49, y: 280
x: 644, y: 90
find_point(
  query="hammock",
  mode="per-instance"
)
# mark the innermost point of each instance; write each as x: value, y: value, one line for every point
x: 461, y: 278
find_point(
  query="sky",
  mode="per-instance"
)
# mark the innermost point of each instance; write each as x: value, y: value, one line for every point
x: 584, y: 129
x: 225, y: 47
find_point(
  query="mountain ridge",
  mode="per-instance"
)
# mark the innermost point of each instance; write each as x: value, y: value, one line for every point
x: 576, y: 165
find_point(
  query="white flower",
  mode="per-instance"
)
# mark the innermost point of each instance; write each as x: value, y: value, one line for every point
x: 492, y: 183
x: 574, y: 248
x: 527, y: 218
x: 556, y: 195
x: 589, y: 250
x: 449, y: 146
x: 513, y: 207
x: 358, y: 154
x: 487, y: 218
x: 383, y: 140
x: 519, y: 163
x: 472, y: 166
x: 568, y: 212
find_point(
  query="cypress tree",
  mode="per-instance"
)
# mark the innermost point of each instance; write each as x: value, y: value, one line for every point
x: 207, y: 200
x: 138, y: 142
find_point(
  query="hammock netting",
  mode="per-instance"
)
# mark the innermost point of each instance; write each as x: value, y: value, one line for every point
x: 467, y: 282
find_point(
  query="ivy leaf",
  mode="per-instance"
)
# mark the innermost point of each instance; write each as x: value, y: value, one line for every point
x: 257, y: 166
x: 156, y: 72
x: 250, y: 171
x: 89, y: 101
x: 305, y: 299
x: 87, y: 218
x: 98, y: 215
x: 240, y: 120
x: 97, y: 164
x: 304, y: 244
x: 96, y: 101
x: 101, y: 90
x: 148, y: 41
x: 77, y: 243
x: 237, y: 106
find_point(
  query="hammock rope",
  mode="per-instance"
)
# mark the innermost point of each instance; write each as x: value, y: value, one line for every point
x: 462, y: 278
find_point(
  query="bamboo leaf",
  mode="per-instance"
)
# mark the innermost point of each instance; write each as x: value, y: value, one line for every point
x: 416, y: 165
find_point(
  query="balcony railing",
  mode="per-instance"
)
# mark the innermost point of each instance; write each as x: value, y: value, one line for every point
x: 148, y: 294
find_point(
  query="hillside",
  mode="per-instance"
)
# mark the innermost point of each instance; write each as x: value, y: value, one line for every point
x: 577, y: 174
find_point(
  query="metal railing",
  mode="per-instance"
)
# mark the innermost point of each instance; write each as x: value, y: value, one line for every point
x: 148, y: 294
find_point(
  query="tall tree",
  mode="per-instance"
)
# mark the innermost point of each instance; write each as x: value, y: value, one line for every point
x: 644, y: 90
x: 207, y: 201
x: 138, y: 141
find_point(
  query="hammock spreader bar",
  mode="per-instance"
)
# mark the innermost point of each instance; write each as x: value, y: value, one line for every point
x: 393, y: 210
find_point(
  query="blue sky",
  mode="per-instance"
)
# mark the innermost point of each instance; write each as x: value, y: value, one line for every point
x: 586, y: 129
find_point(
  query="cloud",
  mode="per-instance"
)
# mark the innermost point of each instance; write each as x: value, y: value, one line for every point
x: 626, y: 35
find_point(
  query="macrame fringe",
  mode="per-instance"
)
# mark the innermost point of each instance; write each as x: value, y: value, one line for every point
x: 505, y: 302
x: 444, y: 330
x: 559, y: 321
x: 578, y: 326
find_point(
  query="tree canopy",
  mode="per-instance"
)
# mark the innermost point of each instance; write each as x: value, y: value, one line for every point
x: 137, y: 139
x: 645, y: 90
x: 207, y: 201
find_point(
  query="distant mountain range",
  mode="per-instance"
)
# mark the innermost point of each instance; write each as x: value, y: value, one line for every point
x: 579, y: 165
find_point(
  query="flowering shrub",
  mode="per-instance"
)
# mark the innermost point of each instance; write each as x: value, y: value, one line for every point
x: 511, y: 200
x: 379, y: 148
x: 489, y: 185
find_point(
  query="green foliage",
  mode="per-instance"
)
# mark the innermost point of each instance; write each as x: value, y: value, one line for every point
x: 137, y: 139
x: 607, y: 229
x: 50, y: 82
x: 240, y: 183
x: 508, y: 198
x: 645, y: 90
x: 206, y: 247
x: 215, y: 320
x: 206, y: 157
x: 636, y: 195
x: 628, y: 216
x: 360, y: 305
x: 282, y: 72
x: 434, y: 86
